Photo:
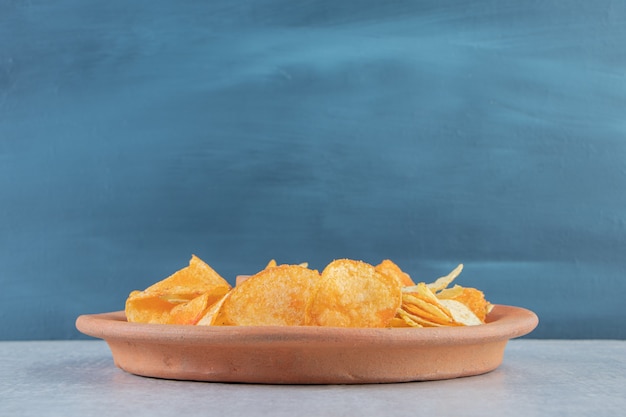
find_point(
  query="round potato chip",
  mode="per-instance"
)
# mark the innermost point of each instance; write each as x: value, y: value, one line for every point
x: 274, y: 296
x: 388, y: 267
x: 354, y: 294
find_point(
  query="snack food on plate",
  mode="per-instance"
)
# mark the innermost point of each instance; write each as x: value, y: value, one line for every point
x: 181, y: 298
x: 354, y: 294
x: 275, y: 296
x: 348, y: 293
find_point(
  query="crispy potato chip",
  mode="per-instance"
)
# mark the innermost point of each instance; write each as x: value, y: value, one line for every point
x: 147, y: 310
x: 450, y: 292
x: 422, y: 306
x: 388, y: 267
x: 272, y: 264
x: 403, y: 316
x: 461, y: 313
x: 348, y: 293
x: 354, y: 294
x: 422, y: 318
x: 443, y: 282
x: 187, y: 283
x: 154, y: 304
x: 474, y: 299
x: 190, y: 312
x: 209, y: 317
x: 400, y: 322
x: 275, y: 296
x: 422, y: 290
x: 420, y: 321
x: 432, y: 312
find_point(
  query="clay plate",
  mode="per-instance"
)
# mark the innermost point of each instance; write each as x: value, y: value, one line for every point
x: 308, y: 355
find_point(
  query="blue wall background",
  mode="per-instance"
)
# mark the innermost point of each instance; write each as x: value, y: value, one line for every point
x: 133, y: 134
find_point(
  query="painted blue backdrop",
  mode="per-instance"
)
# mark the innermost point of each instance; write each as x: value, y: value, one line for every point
x: 133, y: 134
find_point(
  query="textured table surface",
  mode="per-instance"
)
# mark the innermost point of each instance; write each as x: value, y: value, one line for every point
x: 537, y: 378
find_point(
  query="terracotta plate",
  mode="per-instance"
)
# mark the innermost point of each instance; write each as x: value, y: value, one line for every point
x: 308, y: 355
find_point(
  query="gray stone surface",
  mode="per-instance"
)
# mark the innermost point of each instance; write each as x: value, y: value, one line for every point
x: 537, y: 378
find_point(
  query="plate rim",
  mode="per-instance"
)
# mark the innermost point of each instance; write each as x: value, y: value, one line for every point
x: 503, y: 323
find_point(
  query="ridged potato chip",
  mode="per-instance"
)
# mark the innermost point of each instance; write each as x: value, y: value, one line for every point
x: 274, y: 296
x: 431, y: 312
x: 473, y: 298
x: 434, y: 304
x: 443, y: 282
x: 354, y: 294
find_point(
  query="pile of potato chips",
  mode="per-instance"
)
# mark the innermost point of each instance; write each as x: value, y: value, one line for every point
x: 347, y: 293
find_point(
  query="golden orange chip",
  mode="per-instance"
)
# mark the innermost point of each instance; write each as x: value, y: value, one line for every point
x: 461, y: 313
x: 415, y: 320
x: 153, y: 305
x: 435, y: 313
x: 413, y: 309
x: 443, y: 282
x: 348, y: 293
x: 399, y: 322
x: 388, y: 267
x: 423, y: 291
x: 449, y: 293
x: 187, y: 283
x: 354, y: 294
x: 275, y: 296
x: 209, y: 317
x: 147, y: 310
x: 474, y: 299
x: 191, y: 311
x: 272, y: 263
